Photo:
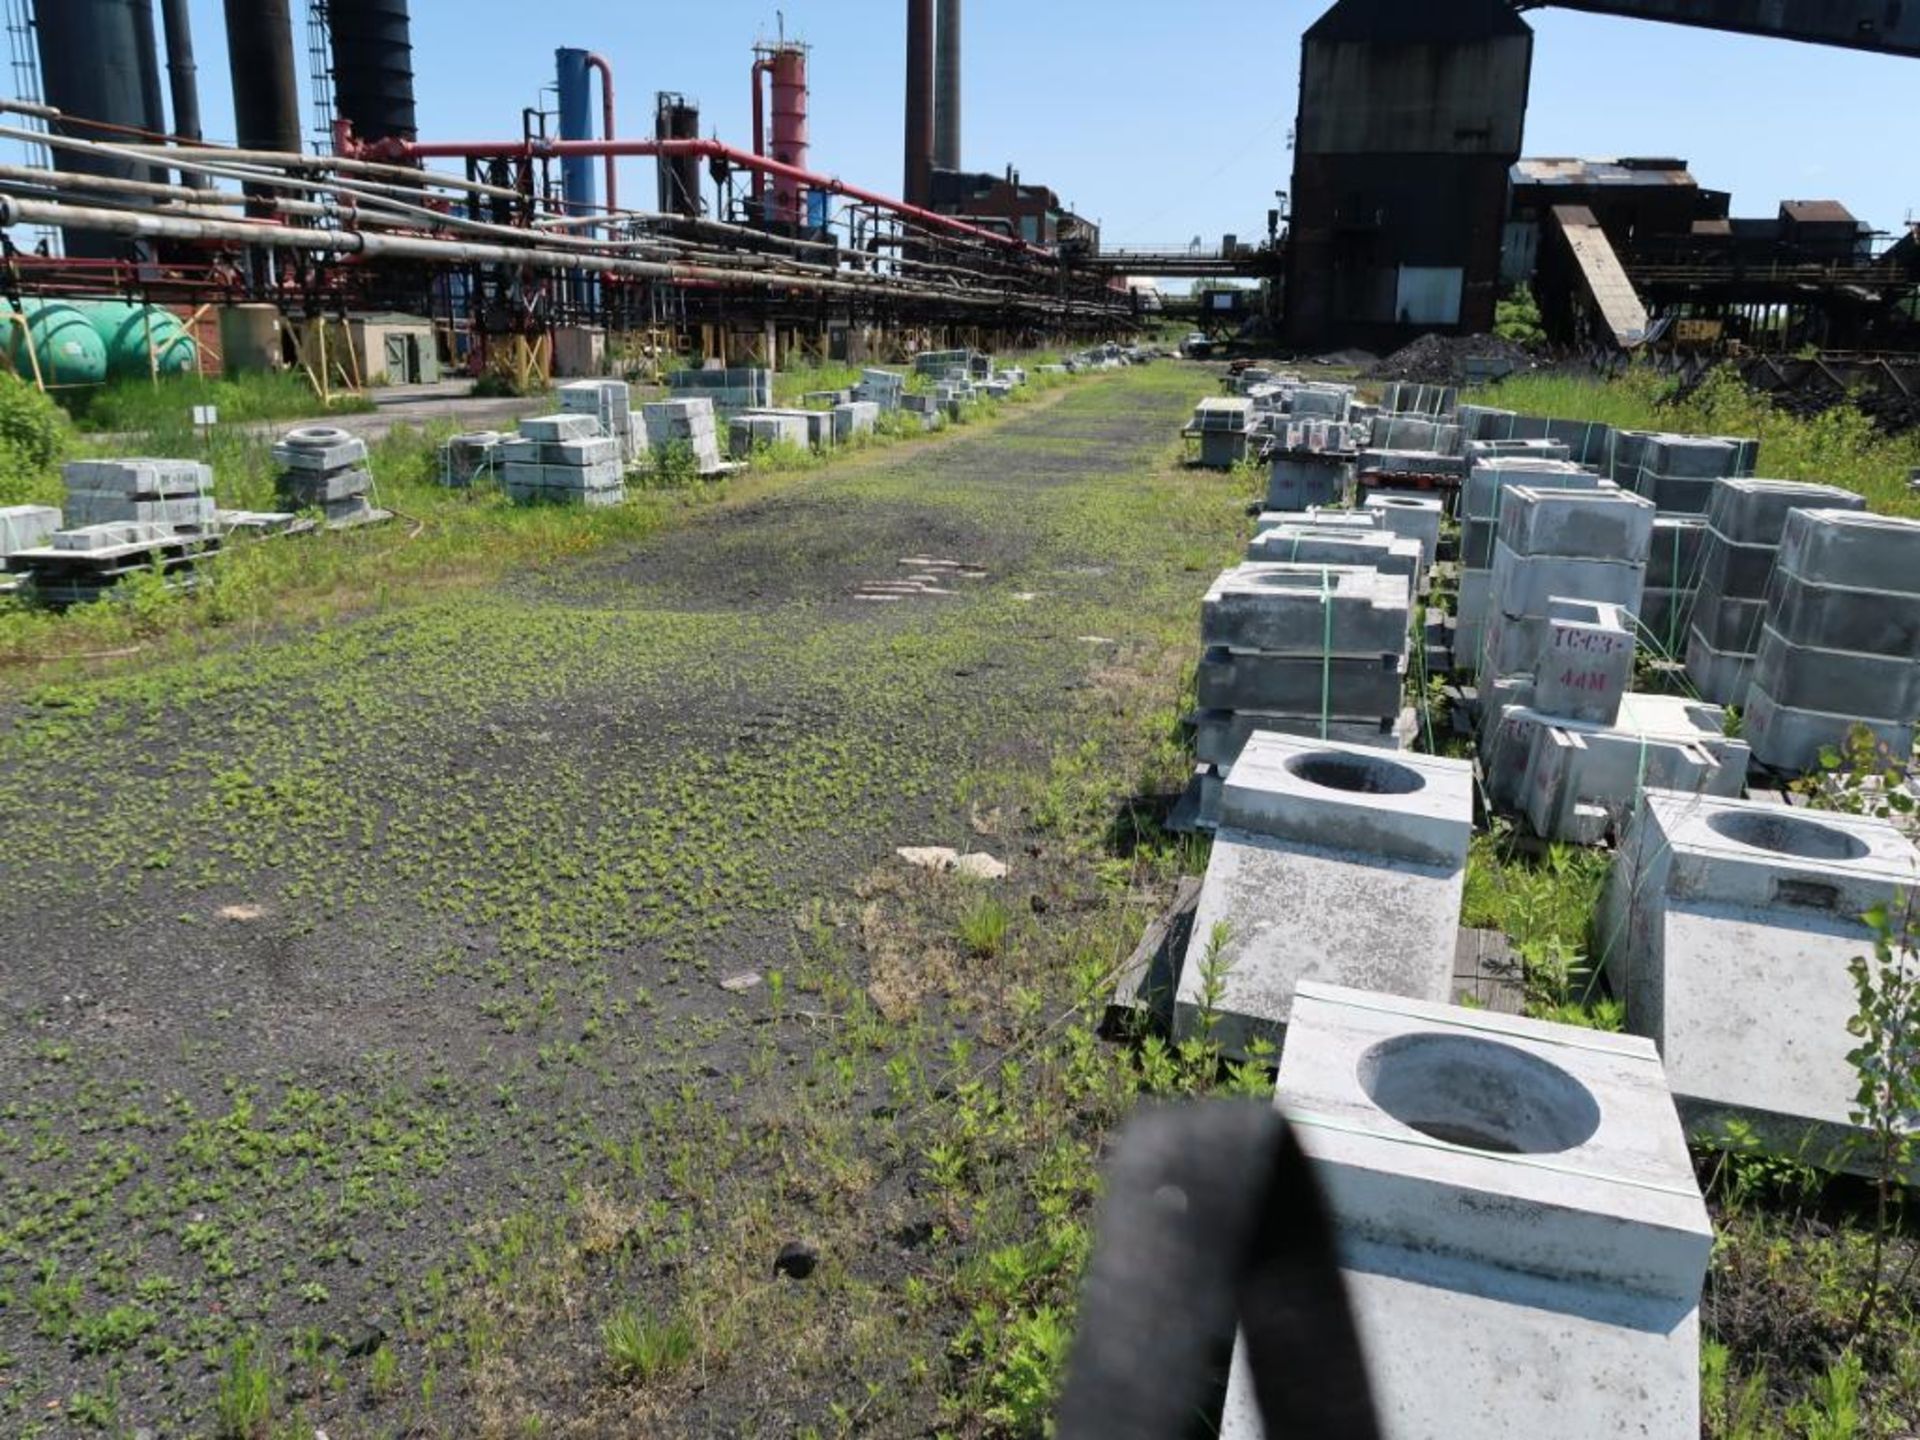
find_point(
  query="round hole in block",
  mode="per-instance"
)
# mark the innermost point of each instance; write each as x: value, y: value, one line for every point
x: 1479, y: 1094
x: 1403, y: 503
x: 1356, y: 774
x: 1786, y: 834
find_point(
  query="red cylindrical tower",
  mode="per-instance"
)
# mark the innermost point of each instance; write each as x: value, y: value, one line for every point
x: 788, y: 67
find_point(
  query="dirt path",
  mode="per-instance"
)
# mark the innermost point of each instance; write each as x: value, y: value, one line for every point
x: 388, y: 1008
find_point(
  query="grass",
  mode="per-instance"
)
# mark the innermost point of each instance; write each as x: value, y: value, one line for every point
x: 641, y: 1350
x: 146, y: 405
x: 1838, y: 447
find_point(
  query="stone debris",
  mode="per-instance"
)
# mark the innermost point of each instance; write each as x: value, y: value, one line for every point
x: 975, y: 865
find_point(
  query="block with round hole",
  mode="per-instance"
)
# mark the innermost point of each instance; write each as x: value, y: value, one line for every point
x: 1337, y: 862
x: 1306, y: 609
x: 1727, y: 929
x: 1516, y: 1216
x: 1413, y: 515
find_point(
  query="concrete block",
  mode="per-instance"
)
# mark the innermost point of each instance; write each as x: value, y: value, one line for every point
x: 1747, y: 511
x: 1735, y: 571
x: 855, y: 417
x: 1320, y: 517
x: 1338, y: 545
x: 1801, y: 676
x: 1417, y: 517
x: 1575, y: 780
x: 1598, y: 524
x: 146, y: 478
x: 1721, y: 676
x: 563, y: 426
x: 1295, y: 483
x: 1516, y: 1215
x: 25, y: 527
x: 302, y: 489
x: 1306, y: 609
x: 104, y: 507
x: 1521, y: 585
x: 1416, y: 808
x: 1673, y: 558
x: 1729, y: 624
x: 111, y: 536
x: 1791, y: 739
x: 1586, y: 665
x: 1729, y: 926
x: 1835, y: 617
x: 1343, y: 686
x: 1844, y: 547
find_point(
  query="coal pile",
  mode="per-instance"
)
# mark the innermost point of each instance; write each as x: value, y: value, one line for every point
x: 1445, y: 359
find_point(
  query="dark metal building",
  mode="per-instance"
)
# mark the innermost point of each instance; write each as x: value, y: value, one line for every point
x: 1411, y: 115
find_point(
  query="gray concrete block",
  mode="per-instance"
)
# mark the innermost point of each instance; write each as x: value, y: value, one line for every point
x: 1599, y: 524
x: 562, y: 426
x: 302, y: 489
x: 1417, y: 517
x: 1791, y: 739
x: 1729, y: 926
x: 1295, y: 483
x: 1521, y: 585
x: 1460, y: 1250
x: 1886, y: 687
x: 105, y: 507
x: 1721, y: 676
x: 1349, y: 687
x: 1338, y: 545
x: 1841, y: 547
x: 140, y: 478
x: 25, y: 527
x: 1306, y: 609
x: 855, y: 417
x: 1747, y: 511
x: 1220, y: 735
x: 1832, y: 617
x: 1585, y: 665
x: 112, y: 535
x: 1735, y: 571
x: 1320, y: 517
x: 1674, y: 556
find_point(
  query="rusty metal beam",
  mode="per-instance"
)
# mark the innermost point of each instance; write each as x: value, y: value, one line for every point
x: 1886, y: 27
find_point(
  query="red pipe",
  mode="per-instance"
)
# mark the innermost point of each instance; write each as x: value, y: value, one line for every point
x: 597, y: 61
x: 762, y: 66
x: 404, y: 150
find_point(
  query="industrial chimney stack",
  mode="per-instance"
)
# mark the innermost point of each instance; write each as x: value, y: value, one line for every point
x: 946, y: 94
x: 918, y: 187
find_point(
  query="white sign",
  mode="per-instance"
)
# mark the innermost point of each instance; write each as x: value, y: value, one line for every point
x: 206, y: 415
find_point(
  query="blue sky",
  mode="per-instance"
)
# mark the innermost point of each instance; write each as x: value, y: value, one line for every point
x: 1163, y: 119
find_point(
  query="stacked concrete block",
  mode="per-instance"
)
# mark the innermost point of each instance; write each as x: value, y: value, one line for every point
x: 753, y: 429
x: 1416, y: 433
x: 1577, y: 780
x: 1745, y: 520
x: 1584, y: 667
x: 1727, y: 930
x: 687, y: 424
x: 854, y: 417
x: 464, y: 459
x: 611, y: 403
x: 1303, y: 544
x: 1840, y: 643
x: 1677, y: 472
x: 85, y: 563
x: 1295, y: 482
x: 1489, y: 476
x: 1417, y: 517
x: 1321, y: 401
x: 1673, y: 580
x: 1303, y: 649
x: 563, y: 460
x: 883, y: 388
x: 942, y: 365
x: 1515, y: 1217
x: 25, y: 527
x: 927, y: 409
x: 740, y: 388
x: 1479, y: 450
x: 1404, y: 397
x: 1223, y: 425
x: 1333, y: 862
x: 323, y: 468
x: 1557, y: 544
x: 1588, y: 442
x: 178, y: 493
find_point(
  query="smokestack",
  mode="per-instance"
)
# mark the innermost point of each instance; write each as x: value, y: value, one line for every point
x: 373, y: 67
x: 182, y: 81
x: 946, y: 94
x: 266, y: 106
x: 919, y: 186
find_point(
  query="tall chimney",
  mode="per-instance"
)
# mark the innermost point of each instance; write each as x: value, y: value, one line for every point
x: 266, y: 106
x: 180, y: 77
x: 919, y: 177
x: 946, y: 89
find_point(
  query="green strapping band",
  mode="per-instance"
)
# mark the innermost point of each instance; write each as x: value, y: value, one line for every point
x: 1326, y: 650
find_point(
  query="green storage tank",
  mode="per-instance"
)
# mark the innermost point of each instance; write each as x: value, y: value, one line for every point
x: 127, y: 328
x: 63, y: 337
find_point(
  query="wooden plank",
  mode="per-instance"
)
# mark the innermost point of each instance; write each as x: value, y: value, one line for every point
x: 1487, y: 974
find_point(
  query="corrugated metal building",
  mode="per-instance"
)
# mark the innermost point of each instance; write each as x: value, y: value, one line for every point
x: 1411, y: 115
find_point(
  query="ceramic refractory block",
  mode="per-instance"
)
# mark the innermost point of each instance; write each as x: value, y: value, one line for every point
x: 1336, y: 862
x: 1516, y: 1216
x: 1727, y: 929
x: 1306, y: 609
x: 1338, y: 545
x: 1417, y: 517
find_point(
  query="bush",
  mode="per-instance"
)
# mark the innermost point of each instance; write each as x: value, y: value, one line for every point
x: 34, y: 435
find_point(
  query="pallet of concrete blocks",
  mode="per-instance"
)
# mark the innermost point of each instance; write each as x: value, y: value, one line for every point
x: 467, y: 459
x: 926, y: 409
x: 1677, y: 472
x: 138, y: 492
x: 1304, y: 649
x: 753, y: 430
x: 1406, y: 397
x: 740, y: 388
x: 1588, y: 442
x: 941, y: 365
x: 1317, y: 400
x: 1224, y: 426
x: 854, y: 417
x: 1417, y: 434
x: 1745, y: 520
x: 683, y: 426
x: 86, y: 562
x: 1581, y: 668
x: 1498, y: 1187
x: 884, y: 388
x: 1487, y: 481
x: 1413, y: 515
x: 1673, y: 580
x: 562, y: 459
x: 1332, y: 862
x: 1727, y: 929
x: 1840, y: 642
x: 25, y: 527
x: 611, y: 403
x: 953, y: 397
x: 1557, y: 544
x: 324, y: 468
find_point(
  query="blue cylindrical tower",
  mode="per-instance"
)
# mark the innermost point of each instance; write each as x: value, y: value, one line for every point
x: 576, y: 123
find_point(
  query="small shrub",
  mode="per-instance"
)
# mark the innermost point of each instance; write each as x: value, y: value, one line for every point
x: 983, y: 927
x: 641, y: 1350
